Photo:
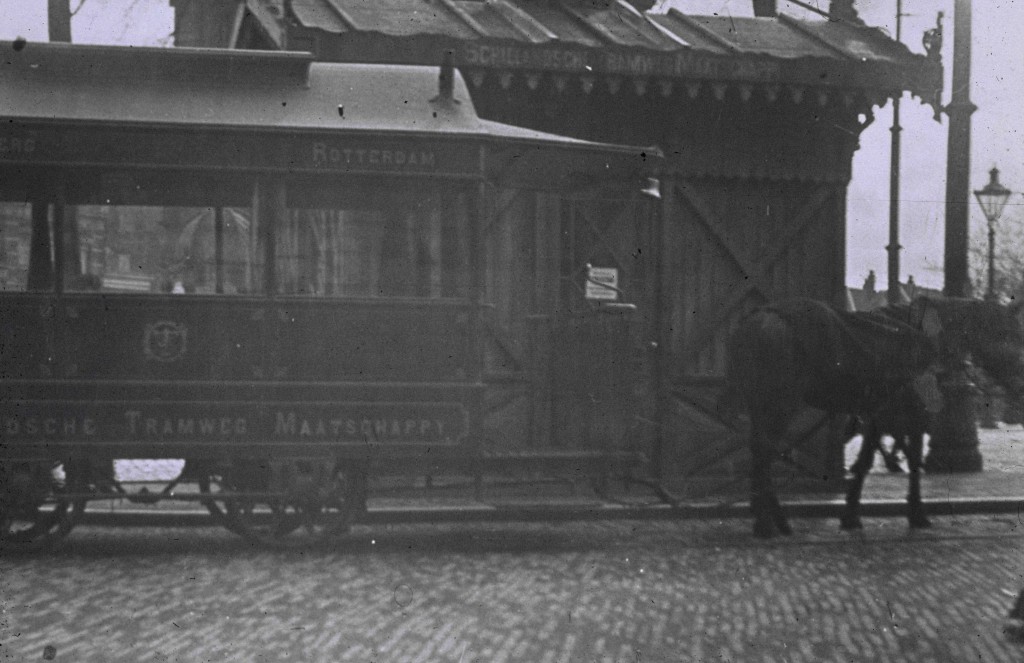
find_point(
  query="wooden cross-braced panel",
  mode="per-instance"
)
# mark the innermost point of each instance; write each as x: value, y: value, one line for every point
x: 511, y: 286
x: 604, y: 232
x: 730, y: 246
x: 520, y: 238
x: 735, y: 248
x: 537, y: 358
x: 603, y: 358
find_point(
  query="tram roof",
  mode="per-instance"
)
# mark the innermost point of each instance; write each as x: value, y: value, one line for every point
x: 198, y: 89
x: 252, y: 89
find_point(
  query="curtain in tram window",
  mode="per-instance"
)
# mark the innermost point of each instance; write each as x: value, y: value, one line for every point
x: 332, y: 253
x: 16, y: 246
x: 424, y: 248
x: 197, y: 253
x: 414, y: 247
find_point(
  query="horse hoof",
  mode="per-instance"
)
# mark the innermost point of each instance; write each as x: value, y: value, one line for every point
x: 920, y: 523
x: 762, y: 531
x: 785, y: 530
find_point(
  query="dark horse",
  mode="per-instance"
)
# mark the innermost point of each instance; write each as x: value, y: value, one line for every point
x: 792, y: 354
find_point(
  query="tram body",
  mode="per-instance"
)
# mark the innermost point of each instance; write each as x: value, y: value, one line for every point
x: 270, y: 267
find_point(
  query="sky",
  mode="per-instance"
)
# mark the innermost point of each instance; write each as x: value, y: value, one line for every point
x: 997, y: 126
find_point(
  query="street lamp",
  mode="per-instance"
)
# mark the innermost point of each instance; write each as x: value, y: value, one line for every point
x: 992, y: 200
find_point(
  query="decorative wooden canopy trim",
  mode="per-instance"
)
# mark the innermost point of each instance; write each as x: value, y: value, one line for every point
x: 666, y: 87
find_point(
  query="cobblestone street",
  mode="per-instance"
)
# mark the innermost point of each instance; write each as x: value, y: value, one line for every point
x: 579, y: 592
x: 511, y: 331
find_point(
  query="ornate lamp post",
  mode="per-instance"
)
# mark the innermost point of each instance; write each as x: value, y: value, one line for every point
x: 992, y: 200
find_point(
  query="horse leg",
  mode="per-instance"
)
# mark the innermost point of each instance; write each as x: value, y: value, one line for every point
x: 767, y: 510
x: 872, y: 441
x: 761, y: 490
x: 915, y: 509
x: 763, y: 366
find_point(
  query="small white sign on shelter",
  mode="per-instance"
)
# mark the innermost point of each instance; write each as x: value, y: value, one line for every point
x: 602, y: 283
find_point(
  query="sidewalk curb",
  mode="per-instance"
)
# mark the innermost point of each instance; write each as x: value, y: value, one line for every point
x: 534, y: 512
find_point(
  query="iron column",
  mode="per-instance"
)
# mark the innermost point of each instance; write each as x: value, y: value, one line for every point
x: 954, y: 442
x: 892, y: 294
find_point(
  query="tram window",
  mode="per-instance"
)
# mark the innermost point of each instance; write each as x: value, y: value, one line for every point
x: 404, y: 245
x: 15, y: 246
x: 161, y: 249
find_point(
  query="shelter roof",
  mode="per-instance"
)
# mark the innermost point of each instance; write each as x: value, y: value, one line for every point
x: 584, y: 37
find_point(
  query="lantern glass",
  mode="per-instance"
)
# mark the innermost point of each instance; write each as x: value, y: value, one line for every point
x: 993, y: 197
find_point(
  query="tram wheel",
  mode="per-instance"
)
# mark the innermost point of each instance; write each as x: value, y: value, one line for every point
x: 313, y: 501
x: 34, y: 514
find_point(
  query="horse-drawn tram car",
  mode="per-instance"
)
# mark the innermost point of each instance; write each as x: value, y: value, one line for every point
x: 284, y: 273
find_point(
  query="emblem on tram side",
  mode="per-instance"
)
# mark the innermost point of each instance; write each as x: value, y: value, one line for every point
x: 165, y: 340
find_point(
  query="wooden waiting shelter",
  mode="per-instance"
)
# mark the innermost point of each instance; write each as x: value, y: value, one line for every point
x: 758, y: 116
